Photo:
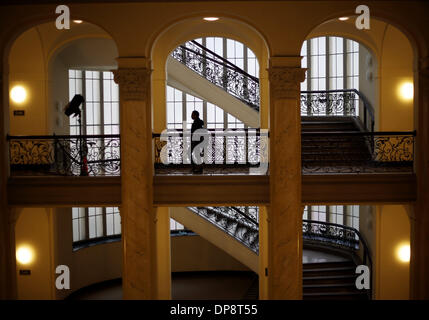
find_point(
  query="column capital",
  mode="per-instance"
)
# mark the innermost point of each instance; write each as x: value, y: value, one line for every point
x: 285, y: 81
x: 134, y: 83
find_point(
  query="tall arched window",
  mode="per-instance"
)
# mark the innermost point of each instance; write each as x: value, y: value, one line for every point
x: 332, y: 63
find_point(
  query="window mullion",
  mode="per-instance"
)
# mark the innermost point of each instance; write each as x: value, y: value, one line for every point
x: 104, y: 216
x: 86, y: 223
x: 83, y: 117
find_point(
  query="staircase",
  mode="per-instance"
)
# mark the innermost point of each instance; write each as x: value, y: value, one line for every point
x: 331, y: 281
x: 237, y: 233
x: 333, y: 141
x: 201, y: 72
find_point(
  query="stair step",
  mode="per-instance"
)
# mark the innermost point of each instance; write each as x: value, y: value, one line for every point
x: 329, y: 271
x: 332, y: 287
x: 329, y: 279
x: 332, y: 264
x: 335, y: 296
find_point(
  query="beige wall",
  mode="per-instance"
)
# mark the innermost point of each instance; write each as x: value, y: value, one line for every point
x: 44, y: 72
x: 392, y: 275
x: 29, y: 71
x: 34, y: 229
x: 49, y: 233
x: 193, y: 253
x: 396, y: 67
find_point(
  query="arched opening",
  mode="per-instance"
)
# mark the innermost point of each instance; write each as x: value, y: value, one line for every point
x: 218, y: 69
x: 61, y: 65
x: 377, y: 65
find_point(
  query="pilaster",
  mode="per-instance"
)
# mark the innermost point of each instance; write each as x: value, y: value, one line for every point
x: 285, y: 215
x: 137, y: 212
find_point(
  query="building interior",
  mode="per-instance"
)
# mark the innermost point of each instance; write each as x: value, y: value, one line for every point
x: 311, y: 175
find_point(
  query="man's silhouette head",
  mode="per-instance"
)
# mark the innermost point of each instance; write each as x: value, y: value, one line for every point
x: 195, y: 115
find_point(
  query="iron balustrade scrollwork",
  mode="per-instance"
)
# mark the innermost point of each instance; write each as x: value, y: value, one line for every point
x: 63, y: 155
x: 357, y: 152
x: 346, y: 102
x: 245, y: 147
x: 244, y: 227
x: 322, y: 152
x: 340, y: 236
x: 235, y: 221
x: 220, y: 72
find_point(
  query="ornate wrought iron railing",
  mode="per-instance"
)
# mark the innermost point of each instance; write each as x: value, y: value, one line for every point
x: 357, y: 152
x: 348, y: 102
x: 237, y: 82
x: 220, y: 72
x: 65, y: 155
x: 340, y: 236
x: 322, y: 152
x: 224, y: 147
x: 242, y: 223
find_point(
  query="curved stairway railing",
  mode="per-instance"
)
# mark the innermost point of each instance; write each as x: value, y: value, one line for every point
x: 220, y: 72
x: 244, y: 227
x: 245, y: 87
x: 342, y: 102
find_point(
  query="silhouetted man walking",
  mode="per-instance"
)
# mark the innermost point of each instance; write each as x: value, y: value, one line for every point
x: 197, y: 124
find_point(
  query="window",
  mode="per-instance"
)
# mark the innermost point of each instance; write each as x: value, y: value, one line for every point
x: 332, y: 64
x: 100, y: 116
x: 95, y: 222
x: 344, y: 215
x: 100, y: 113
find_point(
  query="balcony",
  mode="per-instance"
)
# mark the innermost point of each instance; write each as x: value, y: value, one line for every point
x: 236, y: 151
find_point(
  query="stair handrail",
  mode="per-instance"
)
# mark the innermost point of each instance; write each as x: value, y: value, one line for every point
x: 361, y: 239
x: 225, y: 62
x: 368, y: 108
x: 248, y: 93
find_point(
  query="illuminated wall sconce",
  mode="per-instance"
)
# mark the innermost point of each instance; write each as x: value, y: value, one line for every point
x: 343, y: 18
x: 403, y: 253
x: 25, y: 255
x: 406, y: 91
x: 18, y: 94
x: 77, y: 21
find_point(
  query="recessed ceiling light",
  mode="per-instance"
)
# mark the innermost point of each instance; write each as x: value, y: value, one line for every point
x: 343, y: 18
x: 211, y: 18
x: 77, y: 21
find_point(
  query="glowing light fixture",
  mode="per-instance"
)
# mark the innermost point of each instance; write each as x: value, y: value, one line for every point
x: 406, y: 91
x: 343, y: 18
x: 77, y: 21
x: 24, y: 255
x: 18, y: 94
x: 403, y: 253
x: 211, y: 18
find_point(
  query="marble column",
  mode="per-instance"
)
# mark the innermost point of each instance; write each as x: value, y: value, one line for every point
x: 419, y: 262
x: 285, y: 215
x: 163, y: 249
x: 263, y: 252
x: 137, y: 212
x: 7, y: 234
